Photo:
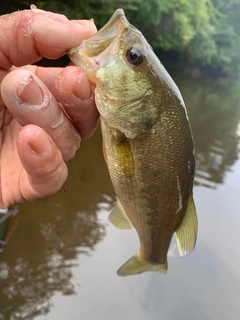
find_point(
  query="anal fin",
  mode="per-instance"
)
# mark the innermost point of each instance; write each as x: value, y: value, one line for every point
x: 119, y: 218
x: 186, y: 234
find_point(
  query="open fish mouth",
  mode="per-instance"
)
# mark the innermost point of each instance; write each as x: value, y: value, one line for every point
x: 102, y: 48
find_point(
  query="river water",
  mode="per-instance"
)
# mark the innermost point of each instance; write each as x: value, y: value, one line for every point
x: 62, y: 254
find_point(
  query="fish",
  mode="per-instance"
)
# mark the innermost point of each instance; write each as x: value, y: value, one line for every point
x: 147, y: 142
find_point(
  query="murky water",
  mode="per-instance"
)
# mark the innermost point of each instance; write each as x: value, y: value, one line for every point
x: 62, y: 254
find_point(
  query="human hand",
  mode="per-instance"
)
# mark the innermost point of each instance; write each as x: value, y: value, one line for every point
x: 36, y: 137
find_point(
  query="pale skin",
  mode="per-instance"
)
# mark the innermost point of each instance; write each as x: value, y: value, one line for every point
x: 37, y: 138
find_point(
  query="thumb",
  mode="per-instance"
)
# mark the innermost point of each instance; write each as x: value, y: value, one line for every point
x: 46, y: 171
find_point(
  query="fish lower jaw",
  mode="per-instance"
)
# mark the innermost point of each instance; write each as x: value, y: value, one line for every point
x: 84, y: 63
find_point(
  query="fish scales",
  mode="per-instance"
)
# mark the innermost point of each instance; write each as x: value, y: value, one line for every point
x: 147, y: 142
x: 156, y: 164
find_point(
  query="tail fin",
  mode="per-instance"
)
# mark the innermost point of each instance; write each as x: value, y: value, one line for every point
x: 136, y: 265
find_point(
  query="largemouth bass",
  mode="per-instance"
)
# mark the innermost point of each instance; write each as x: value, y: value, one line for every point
x: 147, y: 142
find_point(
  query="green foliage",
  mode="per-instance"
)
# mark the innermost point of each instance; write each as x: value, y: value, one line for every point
x: 227, y: 34
x: 202, y: 32
x: 100, y: 10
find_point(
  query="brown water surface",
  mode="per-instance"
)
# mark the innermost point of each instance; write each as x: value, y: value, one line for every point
x: 62, y: 254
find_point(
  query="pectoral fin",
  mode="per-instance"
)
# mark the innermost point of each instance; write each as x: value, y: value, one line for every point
x: 136, y: 265
x: 119, y: 218
x: 123, y: 153
x: 186, y: 234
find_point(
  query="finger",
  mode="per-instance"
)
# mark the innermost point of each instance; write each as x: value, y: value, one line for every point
x: 30, y: 102
x: 45, y: 168
x: 28, y: 35
x: 72, y: 89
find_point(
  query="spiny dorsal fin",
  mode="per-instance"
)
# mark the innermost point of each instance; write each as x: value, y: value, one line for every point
x: 186, y: 234
x: 119, y: 218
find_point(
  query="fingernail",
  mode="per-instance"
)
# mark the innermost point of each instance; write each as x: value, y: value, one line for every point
x: 35, y: 9
x: 30, y: 91
x: 72, y: 82
x: 82, y: 89
x: 40, y: 144
x: 81, y: 23
x: 35, y: 98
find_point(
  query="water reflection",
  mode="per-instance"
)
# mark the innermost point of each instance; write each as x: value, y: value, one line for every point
x: 214, y: 111
x: 41, y: 266
x: 50, y: 238
x: 3, y: 228
x: 63, y: 252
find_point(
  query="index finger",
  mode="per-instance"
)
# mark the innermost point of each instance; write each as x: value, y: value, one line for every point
x: 29, y: 35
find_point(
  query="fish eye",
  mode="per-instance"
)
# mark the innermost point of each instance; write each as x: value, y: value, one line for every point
x: 134, y: 56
